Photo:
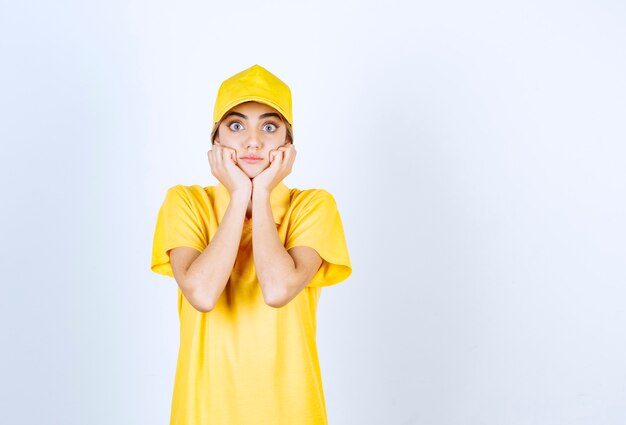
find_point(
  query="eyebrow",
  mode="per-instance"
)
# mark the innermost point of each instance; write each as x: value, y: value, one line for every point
x: 267, y: 114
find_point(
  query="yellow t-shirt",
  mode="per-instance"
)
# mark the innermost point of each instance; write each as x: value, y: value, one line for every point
x: 244, y: 362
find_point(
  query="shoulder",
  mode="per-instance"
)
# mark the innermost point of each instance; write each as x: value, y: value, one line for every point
x: 306, y: 195
x: 311, y: 198
x: 194, y: 196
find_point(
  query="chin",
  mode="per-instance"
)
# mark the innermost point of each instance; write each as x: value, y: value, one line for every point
x: 253, y: 173
x: 250, y: 175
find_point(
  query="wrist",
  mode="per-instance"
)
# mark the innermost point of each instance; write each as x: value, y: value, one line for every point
x: 241, y: 194
x: 260, y: 193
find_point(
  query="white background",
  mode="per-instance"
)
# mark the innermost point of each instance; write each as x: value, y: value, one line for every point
x: 476, y: 151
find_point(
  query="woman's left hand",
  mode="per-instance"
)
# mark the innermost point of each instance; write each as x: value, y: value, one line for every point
x: 281, y: 163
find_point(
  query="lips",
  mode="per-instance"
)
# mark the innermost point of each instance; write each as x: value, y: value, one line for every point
x: 250, y: 159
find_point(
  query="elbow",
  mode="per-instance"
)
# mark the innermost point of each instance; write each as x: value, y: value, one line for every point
x: 201, y: 301
x: 276, y: 298
x: 275, y: 302
x: 202, y: 307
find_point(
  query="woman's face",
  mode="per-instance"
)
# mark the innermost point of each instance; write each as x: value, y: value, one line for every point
x: 252, y: 129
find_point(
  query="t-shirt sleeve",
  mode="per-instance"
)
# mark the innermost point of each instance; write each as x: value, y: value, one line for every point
x: 177, y: 225
x: 318, y: 225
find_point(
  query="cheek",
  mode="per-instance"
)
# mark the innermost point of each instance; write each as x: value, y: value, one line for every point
x: 228, y: 141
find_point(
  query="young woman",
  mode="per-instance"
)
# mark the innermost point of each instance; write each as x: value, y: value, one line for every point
x: 250, y: 257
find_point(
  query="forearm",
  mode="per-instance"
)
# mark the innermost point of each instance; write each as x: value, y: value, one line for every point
x: 274, y: 266
x: 209, y: 273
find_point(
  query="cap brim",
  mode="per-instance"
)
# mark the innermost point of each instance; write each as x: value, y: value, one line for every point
x: 241, y: 100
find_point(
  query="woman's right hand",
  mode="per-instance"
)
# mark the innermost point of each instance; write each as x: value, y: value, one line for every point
x: 223, y: 163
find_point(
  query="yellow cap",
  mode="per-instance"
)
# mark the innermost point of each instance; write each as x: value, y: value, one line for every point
x: 253, y: 84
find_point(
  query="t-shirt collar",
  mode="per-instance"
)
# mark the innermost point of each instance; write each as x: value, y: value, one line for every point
x: 279, y: 201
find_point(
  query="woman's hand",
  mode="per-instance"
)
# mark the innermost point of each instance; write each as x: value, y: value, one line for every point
x: 281, y: 163
x: 223, y: 162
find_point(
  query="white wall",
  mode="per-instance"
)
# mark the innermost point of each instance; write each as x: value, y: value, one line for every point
x: 476, y: 152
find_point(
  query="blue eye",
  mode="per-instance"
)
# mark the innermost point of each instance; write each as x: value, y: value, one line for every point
x: 234, y: 123
x: 272, y: 125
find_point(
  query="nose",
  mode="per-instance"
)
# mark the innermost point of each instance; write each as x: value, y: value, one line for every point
x: 254, y: 140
